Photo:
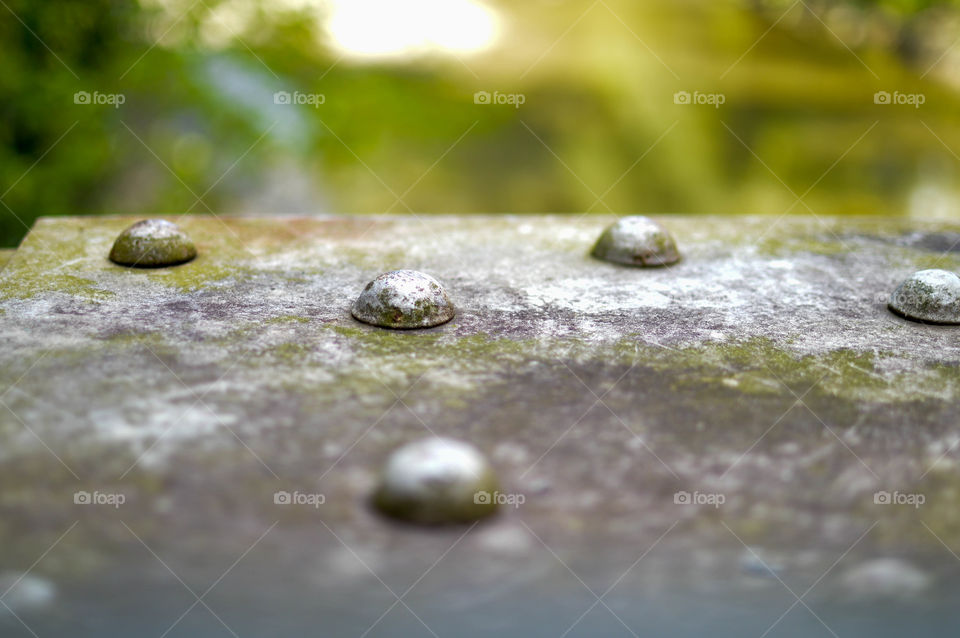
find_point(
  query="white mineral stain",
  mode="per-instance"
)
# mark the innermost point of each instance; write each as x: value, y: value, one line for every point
x: 590, y: 295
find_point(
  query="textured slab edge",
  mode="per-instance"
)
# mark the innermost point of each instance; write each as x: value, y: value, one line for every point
x: 6, y: 254
x: 275, y: 244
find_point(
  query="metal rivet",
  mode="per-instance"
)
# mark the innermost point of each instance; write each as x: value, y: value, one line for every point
x: 931, y: 296
x: 404, y: 299
x: 636, y: 241
x: 437, y: 480
x: 152, y: 243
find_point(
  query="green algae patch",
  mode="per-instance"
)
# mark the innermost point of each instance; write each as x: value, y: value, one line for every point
x: 198, y: 274
x: 46, y: 262
x: 452, y: 366
x: 221, y: 258
x: 815, y: 245
x: 127, y: 339
x: 5, y: 256
x: 472, y: 350
x: 761, y: 367
x: 70, y: 256
x: 290, y: 351
x: 22, y: 282
x: 752, y: 367
x: 286, y: 319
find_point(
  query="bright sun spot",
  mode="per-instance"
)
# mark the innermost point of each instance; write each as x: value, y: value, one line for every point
x: 396, y: 29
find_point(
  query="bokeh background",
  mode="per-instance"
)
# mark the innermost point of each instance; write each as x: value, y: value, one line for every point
x: 372, y: 106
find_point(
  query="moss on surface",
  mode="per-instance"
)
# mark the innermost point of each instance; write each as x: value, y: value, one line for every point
x: 44, y: 263
x: 6, y: 254
x: 199, y: 274
x: 286, y: 319
x: 422, y: 347
x: 815, y: 245
x: 72, y: 258
x: 403, y: 299
x: 259, y: 325
x: 26, y: 285
x: 762, y: 366
x: 751, y: 367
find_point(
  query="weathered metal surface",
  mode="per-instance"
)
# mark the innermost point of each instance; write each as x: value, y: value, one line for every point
x: 762, y: 376
x: 403, y: 299
x: 152, y: 243
x: 636, y: 241
x: 929, y: 296
x: 437, y: 480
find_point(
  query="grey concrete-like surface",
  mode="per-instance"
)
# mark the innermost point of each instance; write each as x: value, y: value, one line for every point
x: 762, y: 377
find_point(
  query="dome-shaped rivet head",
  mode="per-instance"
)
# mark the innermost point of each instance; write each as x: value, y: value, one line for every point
x: 636, y: 241
x: 435, y: 481
x: 152, y: 243
x: 931, y: 296
x: 404, y: 299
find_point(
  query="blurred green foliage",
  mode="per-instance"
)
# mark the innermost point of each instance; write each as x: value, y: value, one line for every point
x: 799, y: 130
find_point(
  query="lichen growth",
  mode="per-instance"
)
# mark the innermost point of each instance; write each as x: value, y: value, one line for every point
x: 21, y: 282
x: 931, y: 296
x: 290, y: 351
x: 404, y: 299
x: 760, y: 366
x: 284, y: 319
x: 200, y: 273
x: 69, y: 256
x: 775, y: 246
x: 479, y: 349
x: 752, y: 367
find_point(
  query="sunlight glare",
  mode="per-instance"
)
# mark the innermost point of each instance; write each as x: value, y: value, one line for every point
x: 398, y: 29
